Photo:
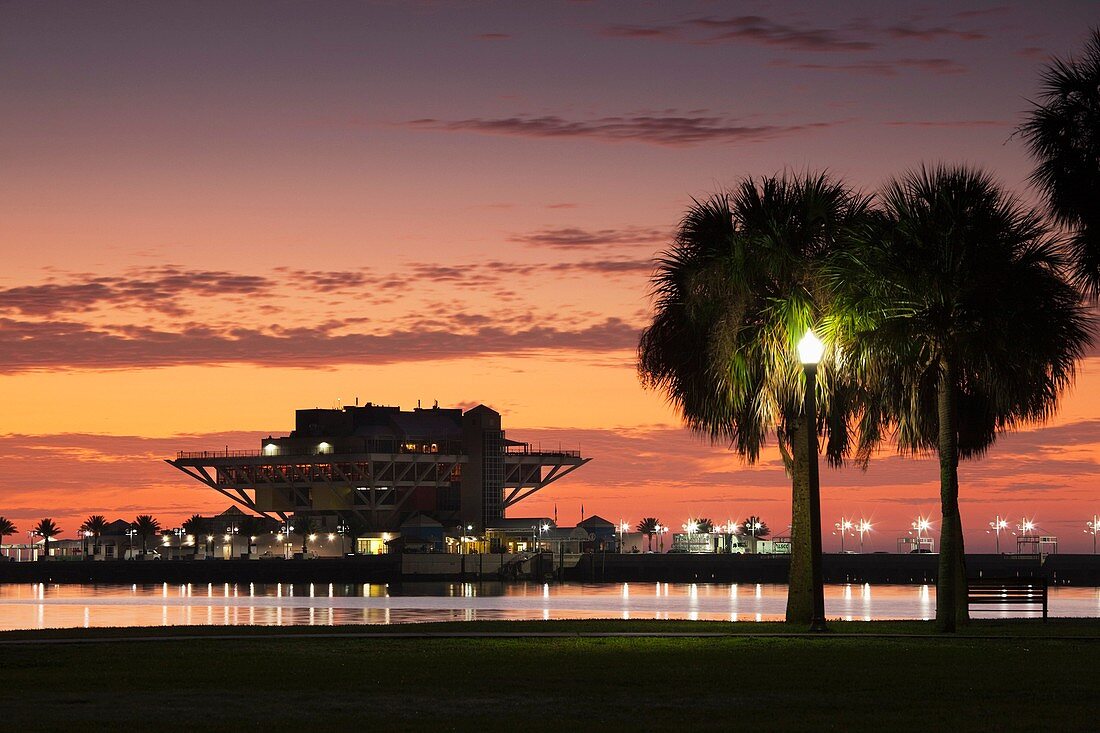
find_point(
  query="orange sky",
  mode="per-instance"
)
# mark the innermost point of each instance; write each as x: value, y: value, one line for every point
x: 216, y: 215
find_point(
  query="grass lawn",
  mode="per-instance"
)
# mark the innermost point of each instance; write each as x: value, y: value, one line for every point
x: 1026, y: 675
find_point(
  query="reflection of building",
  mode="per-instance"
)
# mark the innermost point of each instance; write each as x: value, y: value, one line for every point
x: 375, y: 467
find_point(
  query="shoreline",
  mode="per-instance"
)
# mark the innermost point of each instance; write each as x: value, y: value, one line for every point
x: 1072, y: 570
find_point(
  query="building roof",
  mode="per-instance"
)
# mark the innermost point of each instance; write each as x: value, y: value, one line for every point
x: 595, y: 521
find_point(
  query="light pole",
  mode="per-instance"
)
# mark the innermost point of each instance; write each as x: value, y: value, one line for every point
x: 1093, y: 528
x: 863, y: 528
x: 843, y: 527
x: 810, y: 351
x: 624, y: 526
x: 997, y: 525
x: 691, y: 527
x: 131, y: 533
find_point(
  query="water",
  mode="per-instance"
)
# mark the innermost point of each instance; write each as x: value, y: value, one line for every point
x: 40, y: 605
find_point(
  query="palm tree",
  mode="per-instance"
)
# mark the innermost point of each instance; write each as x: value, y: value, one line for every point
x: 195, y: 526
x: 146, y: 527
x: 95, y: 525
x: 648, y: 527
x: 740, y: 286
x: 704, y: 525
x: 7, y: 527
x: 754, y: 527
x: 1062, y: 133
x: 47, y: 529
x: 966, y: 327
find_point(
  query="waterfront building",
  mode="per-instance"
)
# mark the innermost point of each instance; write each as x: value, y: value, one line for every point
x: 374, y: 467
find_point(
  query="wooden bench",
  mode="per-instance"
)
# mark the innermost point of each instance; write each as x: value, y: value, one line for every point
x: 1007, y: 592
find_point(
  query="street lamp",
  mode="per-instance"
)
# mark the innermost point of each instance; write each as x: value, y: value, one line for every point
x: 1093, y: 528
x: 843, y: 527
x: 863, y: 528
x: 131, y: 533
x: 997, y: 525
x: 810, y: 351
x: 624, y: 527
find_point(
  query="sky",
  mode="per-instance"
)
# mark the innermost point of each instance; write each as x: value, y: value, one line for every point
x: 216, y: 213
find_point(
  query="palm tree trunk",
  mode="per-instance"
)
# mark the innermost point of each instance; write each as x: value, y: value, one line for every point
x: 947, y: 581
x: 800, y: 597
x: 962, y: 590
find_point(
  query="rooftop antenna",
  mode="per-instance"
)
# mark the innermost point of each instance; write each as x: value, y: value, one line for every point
x: 357, y: 402
x: 418, y: 404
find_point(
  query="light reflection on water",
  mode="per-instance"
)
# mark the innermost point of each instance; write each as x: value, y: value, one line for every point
x: 39, y: 605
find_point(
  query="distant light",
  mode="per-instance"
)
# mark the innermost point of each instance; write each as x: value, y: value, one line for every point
x: 227, y: 538
x: 312, y: 537
x: 331, y: 536
x: 810, y: 348
x: 545, y: 527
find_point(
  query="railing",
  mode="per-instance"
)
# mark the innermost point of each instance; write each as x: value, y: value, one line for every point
x: 371, y: 446
x: 527, y: 450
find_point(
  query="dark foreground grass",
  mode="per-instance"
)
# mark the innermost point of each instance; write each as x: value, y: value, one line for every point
x: 1026, y: 676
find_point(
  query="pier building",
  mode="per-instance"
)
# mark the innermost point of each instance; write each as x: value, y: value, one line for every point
x: 376, y: 466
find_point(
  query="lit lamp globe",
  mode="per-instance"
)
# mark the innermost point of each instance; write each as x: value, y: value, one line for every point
x: 810, y: 349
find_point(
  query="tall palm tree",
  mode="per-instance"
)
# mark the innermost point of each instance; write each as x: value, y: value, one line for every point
x: 95, y: 525
x: 740, y: 286
x: 1062, y: 133
x: 47, y: 529
x: 648, y: 527
x: 7, y: 527
x: 704, y: 525
x: 146, y: 527
x: 960, y: 316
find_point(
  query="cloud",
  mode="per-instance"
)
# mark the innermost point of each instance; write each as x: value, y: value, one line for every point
x: 947, y: 123
x: 655, y: 129
x: 757, y: 29
x: 1033, y: 53
x: 157, y: 289
x: 932, y: 34
x: 860, y: 37
x: 890, y: 67
x: 29, y: 345
x: 575, y: 237
x: 493, y: 36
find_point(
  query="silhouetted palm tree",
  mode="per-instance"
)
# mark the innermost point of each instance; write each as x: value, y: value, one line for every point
x: 146, y: 527
x: 47, y: 530
x: 736, y: 292
x: 1062, y: 133
x: 965, y: 326
x: 195, y: 526
x: 94, y: 525
x: 753, y: 526
x: 7, y: 527
x: 648, y: 527
x: 704, y: 525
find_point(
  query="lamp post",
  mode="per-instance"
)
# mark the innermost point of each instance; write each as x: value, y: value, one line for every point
x: 131, y: 533
x: 691, y: 527
x: 997, y: 525
x: 1093, y: 528
x: 842, y: 528
x: 624, y: 527
x: 863, y: 528
x: 810, y: 351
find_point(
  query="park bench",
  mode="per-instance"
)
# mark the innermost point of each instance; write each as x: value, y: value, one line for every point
x: 1007, y: 592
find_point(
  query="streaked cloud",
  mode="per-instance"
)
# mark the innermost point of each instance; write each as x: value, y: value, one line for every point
x: 655, y: 129
x: 576, y: 237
